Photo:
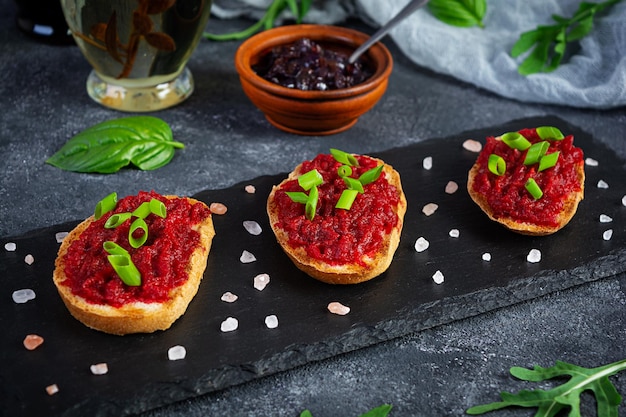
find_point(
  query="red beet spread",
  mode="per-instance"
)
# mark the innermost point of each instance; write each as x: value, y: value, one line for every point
x: 507, y: 195
x: 162, y: 260
x: 338, y: 236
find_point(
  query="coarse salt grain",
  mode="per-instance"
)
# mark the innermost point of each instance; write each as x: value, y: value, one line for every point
x: 252, y: 227
x: 261, y: 281
x: 421, y: 244
x: 250, y: 189
x: 271, y: 321
x: 23, y: 296
x: 608, y: 234
x: 29, y: 259
x: 451, y: 187
x: 338, y: 308
x: 438, y: 277
x: 430, y: 208
x: 247, y: 257
x: 486, y: 257
x: 218, y: 208
x: 99, y: 368
x: 472, y: 145
x: 591, y: 162
x: 11, y: 246
x: 52, y: 389
x: 32, y: 341
x: 176, y: 353
x: 605, y: 219
x: 534, y: 256
x: 624, y: 201
x: 59, y: 236
x: 229, y: 325
x: 427, y: 163
x: 454, y: 233
x: 229, y: 297
x: 603, y: 184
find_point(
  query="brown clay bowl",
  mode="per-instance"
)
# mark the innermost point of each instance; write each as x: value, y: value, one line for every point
x: 312, y: 112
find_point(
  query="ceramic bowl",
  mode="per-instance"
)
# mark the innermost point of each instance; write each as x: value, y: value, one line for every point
x: 312, y: 112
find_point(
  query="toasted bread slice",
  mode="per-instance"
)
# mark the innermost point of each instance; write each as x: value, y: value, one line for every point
x: 343, y: 273
x: 567, y: 212
x: 136, y: 317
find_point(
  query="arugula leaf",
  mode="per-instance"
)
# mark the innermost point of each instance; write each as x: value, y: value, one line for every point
x: 463, y: 13
x: 549, y: 403
x: 380, y: 411
x: 550, y: 42
x: 145, y: 141
x: 267, y: 21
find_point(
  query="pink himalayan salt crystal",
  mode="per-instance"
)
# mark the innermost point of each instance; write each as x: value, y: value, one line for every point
x: 52, y: 389
x: 218, y: 208
x: 10, y: 246
x: 472, y: 145
x: 271, y: 321
x: 229, y: 325
x: 438, y: 277
x: 250, y: 189
x: 451, y: 187
x: 430, y: 208
x: 247, y: 257
x: 338, y: 308
x: 229, y: 297
x: 32, y: 341
x: 29, y: 259
x: 252, y: 227
x: 261, y: 281
x: 427, y: 163
x: 534, y: 256
x: 176, y: 353
x: 99, y: 368
x: 60, y: 236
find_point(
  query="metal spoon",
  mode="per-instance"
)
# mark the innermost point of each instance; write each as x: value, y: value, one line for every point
x: 412, y: 6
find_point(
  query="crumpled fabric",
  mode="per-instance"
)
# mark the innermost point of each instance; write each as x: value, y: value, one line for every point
x: 593, y: 76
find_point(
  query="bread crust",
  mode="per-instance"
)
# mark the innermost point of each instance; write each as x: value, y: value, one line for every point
x: 352, y: 273
x: 136, y: 317
x: 570, y: 206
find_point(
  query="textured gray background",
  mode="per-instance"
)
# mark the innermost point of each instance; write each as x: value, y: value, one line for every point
x: 437, y: 372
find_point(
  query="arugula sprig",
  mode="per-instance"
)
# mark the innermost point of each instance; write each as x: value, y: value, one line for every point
x: 550, y: 42
x: 549, y: 403
x: 298, y: 8
x: 462, y: 13
x: 380, y: 411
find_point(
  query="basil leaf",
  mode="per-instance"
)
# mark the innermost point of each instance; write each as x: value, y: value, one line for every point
x: 463, y: 13
x: 144, y: 141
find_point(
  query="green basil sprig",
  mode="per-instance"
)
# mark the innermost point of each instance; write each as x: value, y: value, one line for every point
x: 144, y: 141
x: 463, y: 13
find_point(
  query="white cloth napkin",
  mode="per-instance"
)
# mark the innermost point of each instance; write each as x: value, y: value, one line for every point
x: 593, y: 77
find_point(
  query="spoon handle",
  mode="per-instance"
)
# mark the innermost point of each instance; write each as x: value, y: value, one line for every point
x: 412, y: 6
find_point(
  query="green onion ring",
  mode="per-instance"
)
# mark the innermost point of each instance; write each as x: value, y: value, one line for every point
x: 536, y: 152
x: 496, y: 164
x: 371, y: 175
x: 142, y: 211
x: 158, y: 207
x: 139, y: 223
x: 344, y: 171
x: 116, y: 219
x: 346, y: 199
x: 533, y: 189
x: 297, y: 196
x: 354, y: 184
x: 310, y: 179
x: 105, y: 205
x: 126, y: 269
x: 311, y: 204
x: 344, y: 157
x: 549, y: 132
x: 548, y: 161
x: 515, y: 140
x: 113, y: 248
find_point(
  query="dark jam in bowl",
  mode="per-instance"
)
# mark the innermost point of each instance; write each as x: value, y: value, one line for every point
x: 305, y: 65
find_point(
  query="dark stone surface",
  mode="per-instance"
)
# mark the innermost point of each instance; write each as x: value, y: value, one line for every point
x: 434, y: 372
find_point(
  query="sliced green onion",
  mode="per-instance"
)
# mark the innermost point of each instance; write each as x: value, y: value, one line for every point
x: 310, y: 179
x: 344, y: 157
x: 536, y: 152
x: 116, y: 219
x: 136, y: 242
x: 549, y: 132
x: 533, y: 189
x: 311, y: 204
x: 113, y: 248
x: 142, y: 211
x: 126, y: 269
x: 548, y: 161
x: 158, y: 207
x: 354, y: 184
x: 297, y: 196
x: 344, y: 171
x: 105, y: 205
x: 515, y: 140
x: 371, y: 175
x: 496, y: 164
x: 346, y: 199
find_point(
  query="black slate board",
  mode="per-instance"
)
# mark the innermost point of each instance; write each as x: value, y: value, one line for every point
x: 404, y: 299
